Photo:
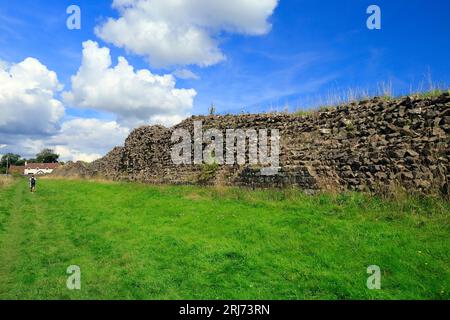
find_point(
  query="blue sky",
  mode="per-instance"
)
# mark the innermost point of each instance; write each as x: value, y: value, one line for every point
x: 313, y: 49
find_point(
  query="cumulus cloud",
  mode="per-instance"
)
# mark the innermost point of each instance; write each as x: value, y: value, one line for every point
x: 77, y: 139
x: 27, y: 98
x: 136, y: 97
x: 31, y: 116
x: 183, y: 32
x: 87, y: 139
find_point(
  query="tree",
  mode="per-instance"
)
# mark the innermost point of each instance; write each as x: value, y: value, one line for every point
x: 212, y: 109
x: 47, y: 156
x: 9, y: 159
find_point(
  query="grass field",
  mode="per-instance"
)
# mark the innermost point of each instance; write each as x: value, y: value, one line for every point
x: 133, y: 241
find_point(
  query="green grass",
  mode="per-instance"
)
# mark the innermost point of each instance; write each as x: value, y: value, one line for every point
x: 357, y: 96
x: 432, y: 93
x: 146, y: 242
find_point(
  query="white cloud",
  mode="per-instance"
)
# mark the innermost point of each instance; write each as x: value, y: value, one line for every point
x: 3, y: 65
x: 31, y: 116
x: 78, y: 139
x: 185, y: 74
x: 183, y: 32
x: 87, y: 139
x: 136, y: 97
x: 67, y: 154
x: 167, y: 121
x: 27, y: 98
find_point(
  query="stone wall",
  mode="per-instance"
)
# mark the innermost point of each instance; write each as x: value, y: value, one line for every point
x: 378, y: 144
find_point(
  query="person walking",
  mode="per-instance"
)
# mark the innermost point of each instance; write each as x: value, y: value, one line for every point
x: 32, y: 184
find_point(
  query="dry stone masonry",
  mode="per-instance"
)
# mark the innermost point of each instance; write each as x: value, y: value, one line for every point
x: 375, y: 145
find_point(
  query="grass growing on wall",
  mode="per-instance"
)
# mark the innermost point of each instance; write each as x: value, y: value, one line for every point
x: 146, y: 242
x: 384, y: 92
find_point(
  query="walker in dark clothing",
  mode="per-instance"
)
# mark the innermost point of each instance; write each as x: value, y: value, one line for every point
x: 32, y: 184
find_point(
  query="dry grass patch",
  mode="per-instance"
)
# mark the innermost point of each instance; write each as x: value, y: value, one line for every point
x: 5, y: 181
x: 194, y: 196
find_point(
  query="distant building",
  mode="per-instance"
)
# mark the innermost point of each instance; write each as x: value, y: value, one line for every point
x: 39, y: 168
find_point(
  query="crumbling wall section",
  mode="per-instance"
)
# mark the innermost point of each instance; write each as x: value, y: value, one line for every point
x: 375, y: 144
